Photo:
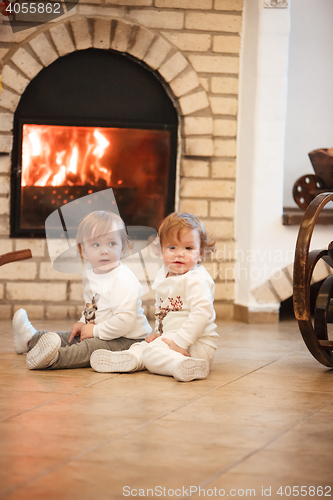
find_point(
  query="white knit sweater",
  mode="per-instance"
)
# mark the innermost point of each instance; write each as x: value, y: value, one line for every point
x: 119, y: 308
x: 187, y: 302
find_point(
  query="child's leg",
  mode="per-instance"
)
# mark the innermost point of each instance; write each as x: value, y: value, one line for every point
x: 75, y: 355
x: 159, y: 358
x: 64, y: 337
x: 119, y: 362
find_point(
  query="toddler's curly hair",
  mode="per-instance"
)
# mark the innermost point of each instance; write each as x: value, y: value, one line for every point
x: 173, y: 225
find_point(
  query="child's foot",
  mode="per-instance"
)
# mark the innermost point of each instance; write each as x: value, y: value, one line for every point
x: 106, y: 361
x: 23, y: 331
x: 190, y: 369
x: 45, y: 352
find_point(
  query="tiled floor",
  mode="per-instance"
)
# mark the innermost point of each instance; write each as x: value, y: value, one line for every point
x: 262, y: 420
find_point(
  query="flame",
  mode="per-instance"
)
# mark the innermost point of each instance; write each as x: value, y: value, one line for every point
x: 59, y: 155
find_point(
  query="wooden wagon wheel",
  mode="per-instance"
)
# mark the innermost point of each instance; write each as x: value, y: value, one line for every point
x: 14, y: 256
x: 306, y: 188
x: 315, y: 336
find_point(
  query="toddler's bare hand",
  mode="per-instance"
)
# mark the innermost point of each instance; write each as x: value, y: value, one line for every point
x: 151, y: 337
x: 87, y: 332
x: 175, y: 347
x: 76, y: 330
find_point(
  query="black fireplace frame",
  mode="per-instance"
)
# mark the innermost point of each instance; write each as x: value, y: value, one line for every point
x: 153, y: 110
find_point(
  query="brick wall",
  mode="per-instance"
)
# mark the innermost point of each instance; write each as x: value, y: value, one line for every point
x: 194, y: 45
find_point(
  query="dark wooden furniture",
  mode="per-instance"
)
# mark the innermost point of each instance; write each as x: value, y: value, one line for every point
x: 14, y: 256
x: 314, y: 332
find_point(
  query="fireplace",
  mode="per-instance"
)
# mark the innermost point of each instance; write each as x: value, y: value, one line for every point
x: 93, y: 120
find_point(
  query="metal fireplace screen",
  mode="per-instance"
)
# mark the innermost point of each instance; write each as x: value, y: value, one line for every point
x: 61, y: 163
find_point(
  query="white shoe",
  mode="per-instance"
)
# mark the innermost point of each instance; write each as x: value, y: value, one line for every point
x: 190, y: 369
x: 23, y: 331
x: 106, y: 361
x: 45, y: 352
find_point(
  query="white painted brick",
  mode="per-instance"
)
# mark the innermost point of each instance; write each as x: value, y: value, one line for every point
x: 221, y: 229
x: 141, y: 44
x: 185, y: 4
x: 227, y: 44
x: 194, y: 102
x: 195, y: 168
x: 4, y: 206
x: 44, y: 50
x: 6, y: 143
x: 193, y: 42
x: 61, y: 312
x: 198, y: 125
x: 9, y: 100
x: 158, y: 19
x: 204, y: 82
x: 34, y: 311
x: 3, y: 52
x: 4, y: 185
x: 225, y: 271
x: 36, y: 246
x: 122, y: 36
x: 6, y: 122
x: 227, y: 128
x: 62, y: 39
x: 6, y: 246
x: 22, y: 270
x: 157, y: 53
x: 196, y: 207
x: 228, y: 5
x: 224, y: 251
x: 193, y: 188
x: 224, y: 169
x: 199, y: 146
x: 185, y: 83
x: 6, y: 311
x: 7, y: 35
x: 224, y: 291
x: 222, y: 209
x: 213, y: 22
x: 76, y: 292
x: 14, y: 79
x: 5, y: 164
x: 281, y: 285
x: 82, y: 38
x: 51, y: 292
x: 26, y: 63
x: 264, y: 294
x: 136, y: 3
x: 214, y: 64
x: 224, y: 105
x: 224, y: 85
x: 4, y: 226
x: 100, y: 10
x: 47, y: 272
x: 225, y: 147
x: 73, y: 12
x: 173, y: 66
x: 102, y: 33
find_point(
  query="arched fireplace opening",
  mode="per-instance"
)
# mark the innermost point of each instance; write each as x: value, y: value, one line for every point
x: 92, y: 120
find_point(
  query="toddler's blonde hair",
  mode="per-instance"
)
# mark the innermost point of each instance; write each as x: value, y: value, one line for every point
x: 98, y: 223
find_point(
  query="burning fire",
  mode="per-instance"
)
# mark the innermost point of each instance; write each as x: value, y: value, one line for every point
x: 61, y: 155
